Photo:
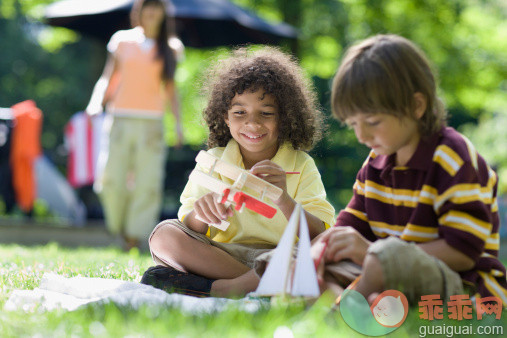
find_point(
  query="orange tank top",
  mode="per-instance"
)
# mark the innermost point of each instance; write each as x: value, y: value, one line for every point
x: 138, y: 88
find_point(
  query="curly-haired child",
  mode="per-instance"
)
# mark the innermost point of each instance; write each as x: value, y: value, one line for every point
x: 262, y: 116
x: 423, y: 218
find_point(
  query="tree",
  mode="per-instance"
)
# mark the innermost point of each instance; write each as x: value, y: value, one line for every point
x: 465, y: 39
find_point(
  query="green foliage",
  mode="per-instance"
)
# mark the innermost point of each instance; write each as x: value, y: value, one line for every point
x: 60, y: 83
x: 465, y: 40
x: 33, y: 8
x: 188, y: 79
x: 53, y: 39
x: 489, y: 137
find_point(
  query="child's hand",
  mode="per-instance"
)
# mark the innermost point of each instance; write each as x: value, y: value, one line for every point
x: 209, y: 208
x: 317, y: 250
x: 274, y: 174
x: 344, y: 243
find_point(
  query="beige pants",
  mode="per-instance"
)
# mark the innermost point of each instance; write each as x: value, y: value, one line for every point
x: 245, y: 254
x: 409, y: 269
x: 130, y: 174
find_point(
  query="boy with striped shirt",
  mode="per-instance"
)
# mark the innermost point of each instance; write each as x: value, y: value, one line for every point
x: 423, y: 218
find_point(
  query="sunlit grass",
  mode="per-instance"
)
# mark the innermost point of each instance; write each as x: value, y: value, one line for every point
x: 23, y: 267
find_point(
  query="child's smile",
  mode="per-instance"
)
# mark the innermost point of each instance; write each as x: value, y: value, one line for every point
x: 253, y: 123
x: 254, y: 138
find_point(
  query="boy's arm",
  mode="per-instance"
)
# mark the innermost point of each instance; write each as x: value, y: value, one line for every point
x: 352, y: 235
x: 466, y: 217
x: 315, y: 225
x: 343, y: 242
x: 354, y: 215
x: 309, y: 192
x: 207, y: 210
x: 454, y: 258
x: 190, y: 196
x: 194, y: 224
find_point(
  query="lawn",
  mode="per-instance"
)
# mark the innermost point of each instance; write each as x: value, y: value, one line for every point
x: 22, y: 268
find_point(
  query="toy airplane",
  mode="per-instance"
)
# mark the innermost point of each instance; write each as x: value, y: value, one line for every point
x: 232, y: 194
x: 280, y: 278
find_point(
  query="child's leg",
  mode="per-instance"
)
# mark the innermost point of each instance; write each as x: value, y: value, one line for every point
x: 239, y: 286
x: 177, y: 249
x: 395, y: 264
x: 371, y: 282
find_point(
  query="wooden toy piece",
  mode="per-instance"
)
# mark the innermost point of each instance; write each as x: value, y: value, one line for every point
x: 232, y: 193
x: 215, y: 185
x: 228, y: 195
x: 237, y: 174
x: 223, y: 225
x: 244, y: 200
x: 278, y: 279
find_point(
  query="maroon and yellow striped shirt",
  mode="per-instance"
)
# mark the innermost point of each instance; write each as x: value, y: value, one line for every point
x: 446, y: 190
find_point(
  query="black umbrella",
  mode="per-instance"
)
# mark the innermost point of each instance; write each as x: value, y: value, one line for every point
x: 199, y: 23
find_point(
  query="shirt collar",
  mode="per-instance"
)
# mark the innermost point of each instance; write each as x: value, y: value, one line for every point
x: 232, y: 154
x: 284, y: 157
x: 422, y: 156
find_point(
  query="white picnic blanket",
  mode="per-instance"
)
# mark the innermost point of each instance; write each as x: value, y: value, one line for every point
x: 58, y: 292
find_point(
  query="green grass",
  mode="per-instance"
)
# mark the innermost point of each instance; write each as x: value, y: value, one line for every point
x: 23, y: 267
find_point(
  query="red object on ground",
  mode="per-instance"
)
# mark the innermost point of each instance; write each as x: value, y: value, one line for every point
x: 25, y: 148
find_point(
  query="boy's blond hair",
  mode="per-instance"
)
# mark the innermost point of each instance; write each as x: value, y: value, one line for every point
x: 381, y: 75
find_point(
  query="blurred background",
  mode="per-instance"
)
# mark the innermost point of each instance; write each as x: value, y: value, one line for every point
x: 465, y: 39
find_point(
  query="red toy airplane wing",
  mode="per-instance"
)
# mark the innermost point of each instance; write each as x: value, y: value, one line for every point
x: 253, y: 204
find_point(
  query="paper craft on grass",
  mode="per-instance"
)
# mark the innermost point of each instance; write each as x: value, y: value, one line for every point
x: 232, y: 194
x: 280, y: 277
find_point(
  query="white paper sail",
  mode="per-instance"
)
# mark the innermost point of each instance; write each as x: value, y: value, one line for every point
x: 275, y: 278
x: 304, y: 282
x: 278, y: 278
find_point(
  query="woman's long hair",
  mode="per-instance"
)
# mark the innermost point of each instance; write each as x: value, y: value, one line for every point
x: 167, y: 29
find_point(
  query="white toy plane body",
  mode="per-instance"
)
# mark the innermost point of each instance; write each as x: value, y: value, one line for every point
x: 232, y: 194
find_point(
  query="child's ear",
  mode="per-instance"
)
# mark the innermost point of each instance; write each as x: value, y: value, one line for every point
x: 420, y: 105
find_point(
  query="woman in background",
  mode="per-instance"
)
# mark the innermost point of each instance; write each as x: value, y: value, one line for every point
x: 136, y: 88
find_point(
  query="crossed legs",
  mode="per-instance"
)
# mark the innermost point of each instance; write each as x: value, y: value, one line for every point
x: 177, y: 249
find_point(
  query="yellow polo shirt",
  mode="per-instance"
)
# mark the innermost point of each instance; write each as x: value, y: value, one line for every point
x: 249, y: 227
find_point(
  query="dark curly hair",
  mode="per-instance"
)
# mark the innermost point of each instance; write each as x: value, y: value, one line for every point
x: 277, y: 73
